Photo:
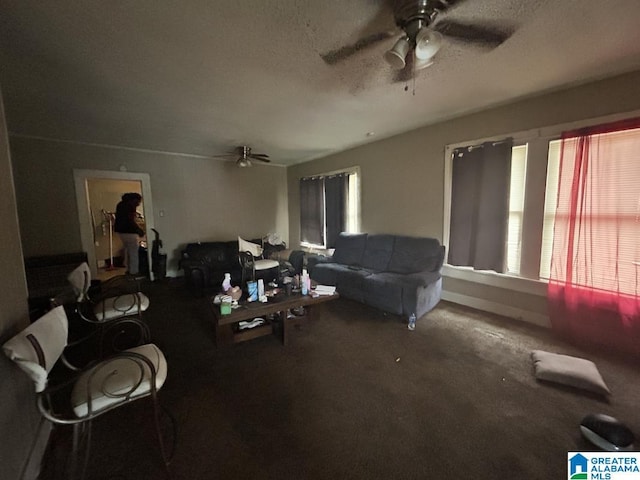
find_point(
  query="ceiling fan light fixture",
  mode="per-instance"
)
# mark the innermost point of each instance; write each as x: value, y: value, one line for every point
x: 396, y: 56
x: 419, y: 64
x: 428, y: 42
x: 243, y: 162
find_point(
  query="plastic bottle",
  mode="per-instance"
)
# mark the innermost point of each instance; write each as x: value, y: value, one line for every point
x: 412, y: 322
x: 226, y: 283
x: 304, y: 283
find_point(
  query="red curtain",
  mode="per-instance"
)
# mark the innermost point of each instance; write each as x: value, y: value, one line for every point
x: 593, y: 289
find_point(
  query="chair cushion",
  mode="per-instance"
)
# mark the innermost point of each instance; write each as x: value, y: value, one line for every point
x: 37, y: 348
x: 572, y: 371
x: 253, y: 248
x: 266, y: 264
x: 120, y: 306
x: 118, y: 380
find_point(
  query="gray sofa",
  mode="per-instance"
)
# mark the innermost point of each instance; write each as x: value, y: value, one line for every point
x: 395, y: 273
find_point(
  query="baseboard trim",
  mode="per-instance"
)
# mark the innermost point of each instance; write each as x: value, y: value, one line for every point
x: 498, y: 308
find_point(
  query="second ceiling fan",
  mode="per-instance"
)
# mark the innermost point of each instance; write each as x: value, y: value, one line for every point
x: 244, y: 156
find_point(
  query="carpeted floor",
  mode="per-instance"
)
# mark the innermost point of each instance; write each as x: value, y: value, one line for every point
x: 355, y: 395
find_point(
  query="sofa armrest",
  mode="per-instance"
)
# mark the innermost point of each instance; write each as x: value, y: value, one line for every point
x: 420, y: 279
x: 315, y: 259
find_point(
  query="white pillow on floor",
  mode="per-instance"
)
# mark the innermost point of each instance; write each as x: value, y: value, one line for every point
x: 572, y: 371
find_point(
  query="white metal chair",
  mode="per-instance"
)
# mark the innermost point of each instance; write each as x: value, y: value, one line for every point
x: 118, y: 297
x: 86, y: 393
x: 251, y: 260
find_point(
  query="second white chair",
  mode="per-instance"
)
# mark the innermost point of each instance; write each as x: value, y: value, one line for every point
x: 251, y: 260
x: 119, y: 296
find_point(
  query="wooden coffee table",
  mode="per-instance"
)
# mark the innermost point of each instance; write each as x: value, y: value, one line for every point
x: 227, y: 328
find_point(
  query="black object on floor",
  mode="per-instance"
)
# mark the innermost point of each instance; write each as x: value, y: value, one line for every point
x: 158, y: 260
x: 607, y: 432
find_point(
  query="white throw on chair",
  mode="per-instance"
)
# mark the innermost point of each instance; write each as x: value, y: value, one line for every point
x: 120, y: 297
x: 103, y: 386
x: 250, y: 257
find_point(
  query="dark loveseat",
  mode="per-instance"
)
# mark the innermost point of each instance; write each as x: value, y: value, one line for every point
x: 205, y: 263
x: 397, y: 274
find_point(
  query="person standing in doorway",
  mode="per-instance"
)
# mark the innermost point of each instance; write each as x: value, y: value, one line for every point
x: 128, y: 230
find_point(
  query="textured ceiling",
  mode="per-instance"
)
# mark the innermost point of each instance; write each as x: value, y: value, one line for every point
x: 200, y: 77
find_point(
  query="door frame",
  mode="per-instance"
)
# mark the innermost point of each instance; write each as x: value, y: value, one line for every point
x: 80, y: 178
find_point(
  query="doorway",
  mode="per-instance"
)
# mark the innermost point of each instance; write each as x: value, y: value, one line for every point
x: 97, y: 194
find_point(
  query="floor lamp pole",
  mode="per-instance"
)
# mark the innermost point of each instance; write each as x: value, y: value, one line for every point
x: 109, y: 217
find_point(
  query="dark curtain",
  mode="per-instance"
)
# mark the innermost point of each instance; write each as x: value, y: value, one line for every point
x: 312, y: 210
x: 481, y: 178
x: 336, y: 194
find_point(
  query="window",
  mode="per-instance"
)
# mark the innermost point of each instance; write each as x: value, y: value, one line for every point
x: 516, y: 208
x: 608, y: 228
x: 550, y: 202
x: 533, y: 190
x: 329, y: 204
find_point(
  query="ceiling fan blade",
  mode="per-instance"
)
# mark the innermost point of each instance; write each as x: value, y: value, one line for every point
x: 256, y: 155
x: 484, y: 35
x: 446, y: 5
x: 334, y: 56
x: 260, y: 158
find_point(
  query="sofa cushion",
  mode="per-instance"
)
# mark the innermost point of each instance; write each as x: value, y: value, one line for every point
x: 413, y: 254
x: 325, y: 273
x: 377, y: 252
x: 349, y: 282
x: 350, y: 248
x: 337, y: 274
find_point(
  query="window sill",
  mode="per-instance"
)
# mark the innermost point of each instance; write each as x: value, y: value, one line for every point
x: 499, y: 280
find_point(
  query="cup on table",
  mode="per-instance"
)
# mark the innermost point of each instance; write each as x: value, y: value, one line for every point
x: 288, y: 289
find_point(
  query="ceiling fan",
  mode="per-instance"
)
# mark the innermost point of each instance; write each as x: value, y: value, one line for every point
x: 422, y: 32
x: 244, y: 156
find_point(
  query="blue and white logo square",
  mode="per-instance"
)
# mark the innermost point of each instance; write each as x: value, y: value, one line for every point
x: 603, y: 465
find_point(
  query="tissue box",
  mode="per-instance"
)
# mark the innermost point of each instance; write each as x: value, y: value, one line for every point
x: 225, y: 305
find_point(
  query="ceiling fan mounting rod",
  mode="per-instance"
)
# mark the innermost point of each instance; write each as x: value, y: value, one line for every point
x: 410, y: 11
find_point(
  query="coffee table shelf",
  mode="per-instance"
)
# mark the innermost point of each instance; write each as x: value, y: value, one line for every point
x: 251, y: 333
x: 226, y: 326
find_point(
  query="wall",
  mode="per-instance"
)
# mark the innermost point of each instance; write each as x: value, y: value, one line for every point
x: 20, y: 427
x: 202, y: 199
x: 402, y: 177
